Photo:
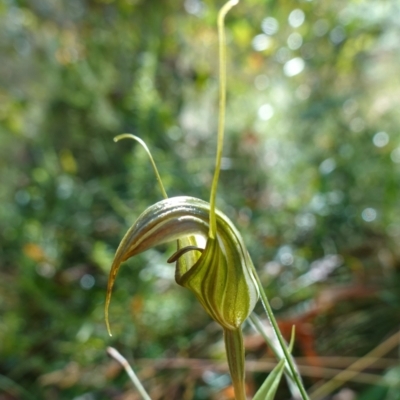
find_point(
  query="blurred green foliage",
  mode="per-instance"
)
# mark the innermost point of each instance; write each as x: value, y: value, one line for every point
x: 311, y: 178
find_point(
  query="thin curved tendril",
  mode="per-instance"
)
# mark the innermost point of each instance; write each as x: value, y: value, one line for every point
x: 143, y: 144
x: 181, y: 252
x: 164, y: 193
x: 222, y: 102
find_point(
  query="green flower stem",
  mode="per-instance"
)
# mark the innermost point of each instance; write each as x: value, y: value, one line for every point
x: 222, y: 105
x: 235, y: 355
x: 282, y: 343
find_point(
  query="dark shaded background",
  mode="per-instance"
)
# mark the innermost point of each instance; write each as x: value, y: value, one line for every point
x: 311, y: 177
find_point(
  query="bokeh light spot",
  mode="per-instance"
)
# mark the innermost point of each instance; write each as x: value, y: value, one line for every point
x: 321, y: 27
x: 380, y: 139
x: 261, y: 42
x: 45, y: 269
x: 194, y: 7
x: 296, y: 18
x: 327, y: 166
x: 395, y: 155
x: 350, y: 106
x: 306, y: 221
x: 337, y: 34
x: 357, y: 124
x: 270, y: 26
x: 87, y: 281
x: 276, y: 303
x: 295, y: 41
x: 303, y: 92
x: 22, y: 197
x: 265, y: 112
x: 369, y: 214
x: 273, y: 268
x: 294, y: 66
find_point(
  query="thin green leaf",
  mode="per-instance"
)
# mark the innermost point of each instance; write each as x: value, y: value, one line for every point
x: 272, y: 340
x: 269, y: 387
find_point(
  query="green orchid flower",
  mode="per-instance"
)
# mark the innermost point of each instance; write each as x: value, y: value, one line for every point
x: 220, y: 272
x: 220, y: 275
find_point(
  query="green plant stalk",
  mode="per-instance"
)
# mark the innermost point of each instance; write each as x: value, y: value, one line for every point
x: 235, y: 354
x: 233, y: 338
x: 271, y: 317
x: 221, y: 114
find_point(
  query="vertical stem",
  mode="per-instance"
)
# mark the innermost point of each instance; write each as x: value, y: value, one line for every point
x: 222, y: 102
x: 235, y: 355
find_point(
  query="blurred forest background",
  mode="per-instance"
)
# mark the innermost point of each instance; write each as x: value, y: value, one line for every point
x: 311, y: 175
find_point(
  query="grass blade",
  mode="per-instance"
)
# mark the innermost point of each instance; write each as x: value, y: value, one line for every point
x: 269, y: 387
x: 133, y: 377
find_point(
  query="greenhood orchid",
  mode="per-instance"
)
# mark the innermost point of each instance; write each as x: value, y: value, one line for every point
x: 220, y: 275
x: 211, y: 259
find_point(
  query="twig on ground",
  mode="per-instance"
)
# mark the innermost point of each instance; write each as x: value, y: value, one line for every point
x: 116, y: 355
